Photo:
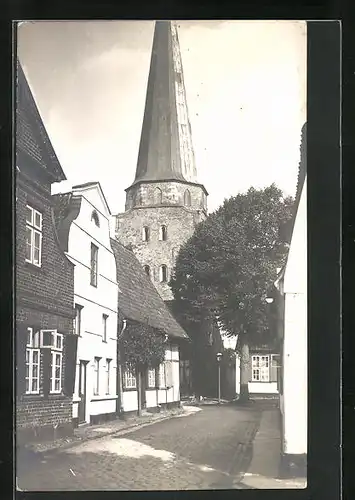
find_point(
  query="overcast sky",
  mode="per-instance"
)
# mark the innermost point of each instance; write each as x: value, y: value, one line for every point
x: 245, y: 85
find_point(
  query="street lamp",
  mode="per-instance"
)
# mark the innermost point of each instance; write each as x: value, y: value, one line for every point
x: 219, y: 356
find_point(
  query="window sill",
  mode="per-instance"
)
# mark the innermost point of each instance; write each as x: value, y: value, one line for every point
x: 33, y: 267
x: 106, y: 397
x: 129, y: 389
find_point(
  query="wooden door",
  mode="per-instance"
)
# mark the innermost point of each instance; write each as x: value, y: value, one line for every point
x: 82, y: 391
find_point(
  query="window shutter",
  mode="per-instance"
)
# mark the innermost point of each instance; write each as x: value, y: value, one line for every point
x: 70, y: 351
x: 21, y: 340
x: 47, y: 369
x: 274, y: 361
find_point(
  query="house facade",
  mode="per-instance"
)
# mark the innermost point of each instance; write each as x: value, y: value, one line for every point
x: 263, y: 372
x: 139, y: 304
x: 45, y: 344
x: 264, y: 365
x: 84, y: 227
x: 293, y: 333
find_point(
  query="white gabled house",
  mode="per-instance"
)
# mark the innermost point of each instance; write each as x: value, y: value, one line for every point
x: 293, y: 333
x: 85, y: 227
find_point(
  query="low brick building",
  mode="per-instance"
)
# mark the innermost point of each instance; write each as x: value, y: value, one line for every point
x: 46, y: 348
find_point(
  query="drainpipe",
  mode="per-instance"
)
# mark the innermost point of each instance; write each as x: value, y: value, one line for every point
x: 119, y: 407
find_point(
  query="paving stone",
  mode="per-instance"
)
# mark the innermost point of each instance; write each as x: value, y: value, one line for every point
x: 206, y: 450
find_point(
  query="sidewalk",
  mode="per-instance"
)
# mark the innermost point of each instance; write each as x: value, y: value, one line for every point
x: 263, y: 472
x: 87, y: 432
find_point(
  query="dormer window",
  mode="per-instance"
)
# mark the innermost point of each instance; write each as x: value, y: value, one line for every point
x: 187, y: 198
x: 163, y: 233
x: 95, y: 218
x: 145, y: 233
x: 163, y: 274
x: 147, y: 270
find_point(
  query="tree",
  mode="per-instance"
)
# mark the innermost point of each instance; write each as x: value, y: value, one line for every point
x: 143, y: 347
x: 226, y: 268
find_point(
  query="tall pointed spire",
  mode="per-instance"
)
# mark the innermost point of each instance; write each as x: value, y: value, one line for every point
x: 166, y: 151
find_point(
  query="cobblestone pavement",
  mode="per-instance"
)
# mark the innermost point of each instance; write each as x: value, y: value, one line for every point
x: 207, y: 450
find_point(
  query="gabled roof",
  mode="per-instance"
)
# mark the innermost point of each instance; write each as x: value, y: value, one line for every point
x: 31, y: 135
x: 139, y: 300
x: 88, y: 185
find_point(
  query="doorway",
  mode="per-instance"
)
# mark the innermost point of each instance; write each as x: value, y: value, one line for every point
x: 82, y: 391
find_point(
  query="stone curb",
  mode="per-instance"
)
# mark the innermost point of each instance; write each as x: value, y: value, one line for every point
x: 121, y: 431
x: 266, y: 483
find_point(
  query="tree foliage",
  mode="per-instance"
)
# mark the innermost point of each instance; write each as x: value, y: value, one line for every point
x: 226, y: 268
x: 143, y: 345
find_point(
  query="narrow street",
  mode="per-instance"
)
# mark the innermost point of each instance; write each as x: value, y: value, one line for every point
x: 210, y: 449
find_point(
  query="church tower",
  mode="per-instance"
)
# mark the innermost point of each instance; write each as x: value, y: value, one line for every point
x: 165, y: 201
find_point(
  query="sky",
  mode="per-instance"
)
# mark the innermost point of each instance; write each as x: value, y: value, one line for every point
x: 245, y: 86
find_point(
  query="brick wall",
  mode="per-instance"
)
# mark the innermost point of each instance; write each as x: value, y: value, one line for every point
x: 53, y: 283
x: 44, y: 300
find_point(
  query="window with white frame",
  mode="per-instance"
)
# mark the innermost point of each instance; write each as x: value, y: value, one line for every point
x: 151, y: 378
x: 97, y: 376
x: 56, y: 341
x: 33, y: 360
x: 33, y: 236
x: 77, y: 320
x: 108, y: 375
x: 129, y: 379
x: 52, y: 339
x: 93, y: 264
x: 260, y: 368
x: 56, y: 378
x: 104, y: 327
x: 162, y: 375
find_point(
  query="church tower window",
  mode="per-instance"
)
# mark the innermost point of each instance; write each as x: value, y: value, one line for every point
x: 95, y: 218
x: 147, y: 270
x: 187, y: 198
x: 145, y: 233
x: 163, y: 233
x: 158, y: 196
x: 163, y: 274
